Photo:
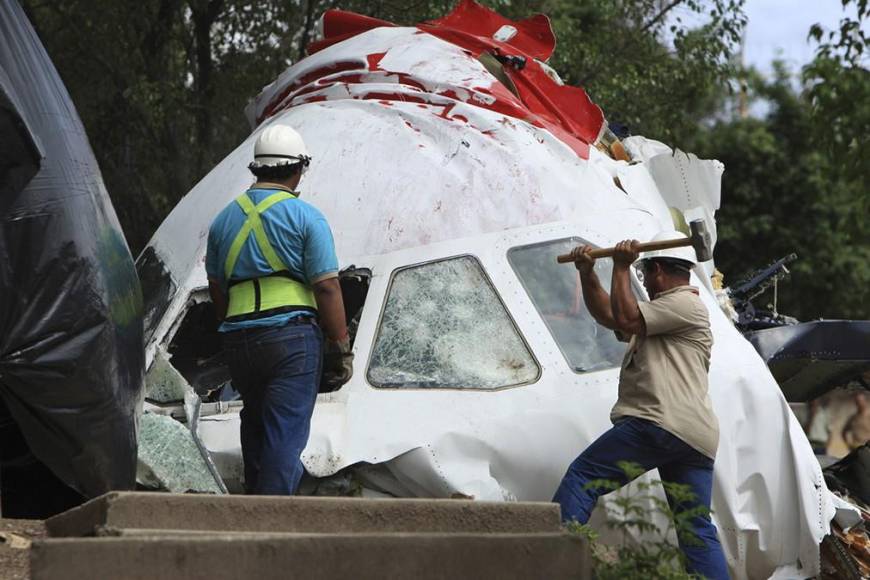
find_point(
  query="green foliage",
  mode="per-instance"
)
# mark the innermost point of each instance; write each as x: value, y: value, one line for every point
x: 161, y: 86
x: 838, y: 88
x: 655, y: 558
x: 658, y: 67
x: 795, y: 179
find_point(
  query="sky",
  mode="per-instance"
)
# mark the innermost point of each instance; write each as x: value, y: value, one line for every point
x: 780, y: 27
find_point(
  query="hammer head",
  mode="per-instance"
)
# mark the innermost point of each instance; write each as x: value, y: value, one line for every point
x: 701, y: 240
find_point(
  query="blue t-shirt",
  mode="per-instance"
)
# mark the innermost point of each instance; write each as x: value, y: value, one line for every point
x: 297, y: 231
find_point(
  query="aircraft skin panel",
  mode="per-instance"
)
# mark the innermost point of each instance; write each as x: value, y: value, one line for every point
x: 409, y: 169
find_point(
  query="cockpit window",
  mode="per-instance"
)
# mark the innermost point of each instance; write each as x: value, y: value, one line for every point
x: 555, y: 291
x: 444, y: 326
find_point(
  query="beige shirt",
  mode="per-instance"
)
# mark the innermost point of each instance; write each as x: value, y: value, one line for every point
x: 664, y: 374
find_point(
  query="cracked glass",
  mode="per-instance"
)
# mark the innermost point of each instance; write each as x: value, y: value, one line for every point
x: 444, y: 326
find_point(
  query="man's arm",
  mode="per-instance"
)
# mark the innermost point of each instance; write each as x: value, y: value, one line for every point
x: 338, y: 358
x: 321, y: 265
x: 330, y: 309
x: 623, y: 304
x: 218, y: 298
x: 594, y: 296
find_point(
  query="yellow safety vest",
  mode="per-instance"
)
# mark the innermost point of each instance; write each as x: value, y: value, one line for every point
x: 276, y: 291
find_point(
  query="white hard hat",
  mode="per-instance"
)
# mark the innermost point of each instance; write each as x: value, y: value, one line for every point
x: 684, y: 254
x: 279, y: 145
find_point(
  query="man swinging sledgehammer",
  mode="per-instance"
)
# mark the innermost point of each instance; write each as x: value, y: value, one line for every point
x: 663, y: 417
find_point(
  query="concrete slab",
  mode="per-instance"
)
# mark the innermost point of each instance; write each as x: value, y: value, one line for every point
x: 134, y: 510
x: 357, y: 556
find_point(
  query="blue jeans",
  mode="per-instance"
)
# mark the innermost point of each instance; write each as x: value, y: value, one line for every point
x: 648, y: 445
x: 277, y: 372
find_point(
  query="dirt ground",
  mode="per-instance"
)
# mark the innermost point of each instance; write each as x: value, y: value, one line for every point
x: 15, y: 539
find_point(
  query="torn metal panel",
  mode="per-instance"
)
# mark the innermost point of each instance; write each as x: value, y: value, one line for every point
x: 71, y: 362
x: 158, y: 287
x: 440, y: 174
x: 689, y: 186
x: 810, y: 358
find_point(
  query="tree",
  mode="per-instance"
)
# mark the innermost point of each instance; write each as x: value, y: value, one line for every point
x: 161, y: 85
x: 782, y: 193
x: 838, y: 88
x: 659, y: 67
x: 796, y: 179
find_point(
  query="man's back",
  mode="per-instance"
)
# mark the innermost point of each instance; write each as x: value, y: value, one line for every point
x: 296, y: 230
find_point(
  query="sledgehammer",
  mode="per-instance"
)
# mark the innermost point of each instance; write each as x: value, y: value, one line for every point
x: 699, y: 240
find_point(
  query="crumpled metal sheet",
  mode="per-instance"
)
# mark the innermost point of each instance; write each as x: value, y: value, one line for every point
x: 434, y: 176
x: 71, y: 360
x: 810, y: 358
x: 516, y: 52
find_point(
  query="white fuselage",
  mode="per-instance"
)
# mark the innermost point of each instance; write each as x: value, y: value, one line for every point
x: 404, y: 183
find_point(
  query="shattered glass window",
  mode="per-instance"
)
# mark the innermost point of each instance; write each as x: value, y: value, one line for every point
x: 555, y: 291
x: 169, y: 458
x: 444, y: 326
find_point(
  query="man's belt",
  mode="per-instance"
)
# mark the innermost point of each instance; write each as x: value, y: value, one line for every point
x: 267, y: 296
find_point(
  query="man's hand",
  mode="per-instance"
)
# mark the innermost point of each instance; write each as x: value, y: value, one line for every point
x: 330, y: 308
x: 337, y: 362
x: 218, y: 298
x: 582, y: 260
x: 626, y: 253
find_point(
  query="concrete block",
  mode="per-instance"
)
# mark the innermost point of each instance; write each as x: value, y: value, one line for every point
x: 314, y: 557
x: 134, y: 510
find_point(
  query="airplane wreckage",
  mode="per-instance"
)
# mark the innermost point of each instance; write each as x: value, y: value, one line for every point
x: 453, y: 166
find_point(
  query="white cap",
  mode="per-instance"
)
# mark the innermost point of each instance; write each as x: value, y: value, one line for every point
x: 279, y: 145
x: 685, y: 254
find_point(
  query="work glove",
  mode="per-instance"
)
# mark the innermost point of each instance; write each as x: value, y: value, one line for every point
x: 337, y: 362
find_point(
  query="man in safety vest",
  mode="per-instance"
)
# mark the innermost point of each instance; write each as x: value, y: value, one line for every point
x: 273, y: 278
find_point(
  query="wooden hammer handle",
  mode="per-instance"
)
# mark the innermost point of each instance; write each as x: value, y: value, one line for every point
x: 644, y: 247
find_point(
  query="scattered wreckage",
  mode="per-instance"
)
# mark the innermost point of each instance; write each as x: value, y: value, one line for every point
x: 454, y: 165
x: 807, y: 359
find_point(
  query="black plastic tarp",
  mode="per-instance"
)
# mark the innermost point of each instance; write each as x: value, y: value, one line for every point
x: 851, y: 474
x: 71, y: 348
